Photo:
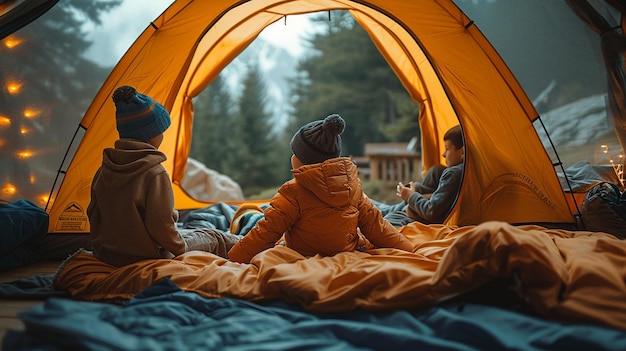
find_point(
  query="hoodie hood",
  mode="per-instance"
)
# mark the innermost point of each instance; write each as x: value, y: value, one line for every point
x: 129, y: 159
x: 335, y: 181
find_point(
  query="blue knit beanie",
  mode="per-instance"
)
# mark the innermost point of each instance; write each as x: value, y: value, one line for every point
x: 138, y: 116
x: 318, y: 141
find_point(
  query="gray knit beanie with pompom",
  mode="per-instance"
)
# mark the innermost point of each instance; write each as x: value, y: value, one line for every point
x: 318, y: 141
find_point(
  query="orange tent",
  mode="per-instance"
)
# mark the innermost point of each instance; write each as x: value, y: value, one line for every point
x: 441, y: 57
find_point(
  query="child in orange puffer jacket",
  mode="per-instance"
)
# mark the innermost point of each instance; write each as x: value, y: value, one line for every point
x: 323, y: 209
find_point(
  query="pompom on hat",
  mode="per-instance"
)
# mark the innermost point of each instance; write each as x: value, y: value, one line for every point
x: 318, y: 141
x: 138, y: 116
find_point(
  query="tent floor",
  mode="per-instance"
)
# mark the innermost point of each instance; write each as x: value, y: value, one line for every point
x: 10, y: 308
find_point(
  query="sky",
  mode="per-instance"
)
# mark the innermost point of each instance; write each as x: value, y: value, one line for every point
x: 124, y: 24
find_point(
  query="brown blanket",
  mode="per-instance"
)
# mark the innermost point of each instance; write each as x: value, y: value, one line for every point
x: 563, y: 275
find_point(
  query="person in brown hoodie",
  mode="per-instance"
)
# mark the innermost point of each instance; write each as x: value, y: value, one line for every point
x: 323, y: 209
x: 131, y: 212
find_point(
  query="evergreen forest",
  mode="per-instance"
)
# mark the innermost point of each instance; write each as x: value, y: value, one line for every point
x: 344, y: 73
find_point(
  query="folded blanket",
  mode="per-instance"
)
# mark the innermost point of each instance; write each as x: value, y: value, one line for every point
x: 563, y: 275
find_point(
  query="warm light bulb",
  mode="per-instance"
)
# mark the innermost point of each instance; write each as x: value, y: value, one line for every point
x: 44, y: 198
x: 11, y: 42
x: 14, y: 87
x: 9, y: 188
x: 31, y: 112
x: 5, y: 121
x: 25, y: 154
x: 24, y: 130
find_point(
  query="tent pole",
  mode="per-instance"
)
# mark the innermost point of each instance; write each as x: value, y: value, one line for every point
x: 560, y: 164
x: 60, y: 170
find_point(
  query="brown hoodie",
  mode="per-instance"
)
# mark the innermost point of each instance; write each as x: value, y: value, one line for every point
x: 319, y: 212
x: 131, y: 212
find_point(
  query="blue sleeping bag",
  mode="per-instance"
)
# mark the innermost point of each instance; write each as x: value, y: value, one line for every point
x: 23, y: 227
x: 163, y: 318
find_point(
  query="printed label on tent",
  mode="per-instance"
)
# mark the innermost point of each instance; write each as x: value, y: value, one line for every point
x: 531, y: 185
x: 73, y: 219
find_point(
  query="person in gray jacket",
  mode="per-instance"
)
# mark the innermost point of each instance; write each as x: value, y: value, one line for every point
x: 436, y: 207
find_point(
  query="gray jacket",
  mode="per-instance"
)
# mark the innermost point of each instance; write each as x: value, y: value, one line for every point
x: 437, y: 208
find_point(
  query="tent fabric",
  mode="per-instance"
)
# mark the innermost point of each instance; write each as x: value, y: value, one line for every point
x: 574, y: 277
x: 15, y: 14
x: 440, y: 56
x: 613, y: 44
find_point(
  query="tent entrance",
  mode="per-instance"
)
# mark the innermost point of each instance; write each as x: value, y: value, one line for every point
x: 438, y: 53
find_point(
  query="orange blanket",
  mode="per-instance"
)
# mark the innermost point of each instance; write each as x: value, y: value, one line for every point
x: 564, y: 275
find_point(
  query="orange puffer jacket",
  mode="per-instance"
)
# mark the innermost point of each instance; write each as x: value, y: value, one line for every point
x: 320, y: 211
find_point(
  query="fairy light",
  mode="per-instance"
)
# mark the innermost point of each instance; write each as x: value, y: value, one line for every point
x: 5, y: 121
x: 31, y: 113
x: 25, y: 154
x: 46, y: 199
x: 9, y: 189
x: 14, y: 87
x: 24, y: 130
x: 11, y: 42
x: 617, y: 167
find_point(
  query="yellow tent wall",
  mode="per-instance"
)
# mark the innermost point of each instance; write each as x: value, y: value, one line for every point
x: 443, y: 60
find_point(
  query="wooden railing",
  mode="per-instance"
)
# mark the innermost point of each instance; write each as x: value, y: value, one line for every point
x: 390, y: 162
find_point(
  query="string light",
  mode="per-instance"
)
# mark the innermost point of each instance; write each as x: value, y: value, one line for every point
x: 25, y: 154
x: 11, y: 41
x: 5, y: 121
x: 9, y: 189
x: 617, y: 167
x: 44, y: 198
x: 31, y: 112
x: 13, y: 87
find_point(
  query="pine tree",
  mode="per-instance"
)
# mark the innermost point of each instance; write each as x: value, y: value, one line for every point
x: 348, y: 75
x: 47, y: 86
x: 212, y: 118
x: 255, y: 162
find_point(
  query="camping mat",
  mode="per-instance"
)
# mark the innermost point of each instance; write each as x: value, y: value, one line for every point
x: 562, y: 275
x: 163, y: 317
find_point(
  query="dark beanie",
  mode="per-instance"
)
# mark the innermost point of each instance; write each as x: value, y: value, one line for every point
x: 138, y: 116
x: 318, y: 141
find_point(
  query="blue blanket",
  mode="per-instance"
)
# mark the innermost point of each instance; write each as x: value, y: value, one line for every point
x: 163, y: 317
